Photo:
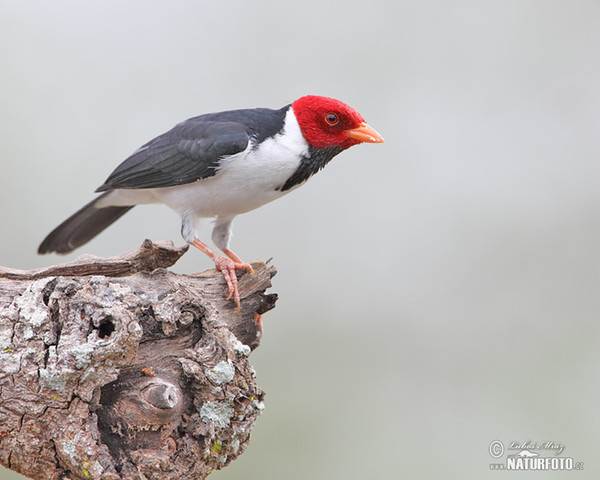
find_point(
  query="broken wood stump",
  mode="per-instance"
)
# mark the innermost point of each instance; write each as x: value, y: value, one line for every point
x: 119, y: 369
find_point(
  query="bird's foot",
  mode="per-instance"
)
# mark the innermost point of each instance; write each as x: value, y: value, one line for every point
x: 259, y: 325
x: 228, y: 267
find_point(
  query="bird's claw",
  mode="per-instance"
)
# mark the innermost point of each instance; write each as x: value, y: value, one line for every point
x: 228, y: 267
x: 259, y: 325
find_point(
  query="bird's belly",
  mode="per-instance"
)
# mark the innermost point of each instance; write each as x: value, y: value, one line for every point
x: 206, y: 198
x: 237, y: 188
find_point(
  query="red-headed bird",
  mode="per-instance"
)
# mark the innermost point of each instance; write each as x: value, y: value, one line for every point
x: 220, y: 165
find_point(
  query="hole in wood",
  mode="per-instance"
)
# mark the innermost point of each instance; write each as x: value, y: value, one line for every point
x: 106, y: 328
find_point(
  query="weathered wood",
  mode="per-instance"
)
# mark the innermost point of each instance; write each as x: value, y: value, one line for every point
x: 147, y: 258
x: 119, y: 369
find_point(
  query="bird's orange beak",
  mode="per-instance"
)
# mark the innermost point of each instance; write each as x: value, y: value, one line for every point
x: 364, y: 133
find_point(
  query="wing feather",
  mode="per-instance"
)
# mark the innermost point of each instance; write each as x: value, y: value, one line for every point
x: 188, y: 152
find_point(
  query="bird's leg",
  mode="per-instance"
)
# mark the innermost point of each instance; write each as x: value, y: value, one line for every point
x: 259, y: 325
x: 227, y: 266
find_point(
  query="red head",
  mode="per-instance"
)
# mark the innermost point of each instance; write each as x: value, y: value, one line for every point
x: 326, y: 122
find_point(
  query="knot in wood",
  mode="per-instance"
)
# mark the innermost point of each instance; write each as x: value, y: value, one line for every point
x: 142, y: 404
x: 162, y: 395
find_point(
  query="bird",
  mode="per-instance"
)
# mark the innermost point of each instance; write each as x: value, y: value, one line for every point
x: 220, y: 165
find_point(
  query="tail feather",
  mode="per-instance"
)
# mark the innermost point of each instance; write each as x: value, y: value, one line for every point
x: 81, y: 227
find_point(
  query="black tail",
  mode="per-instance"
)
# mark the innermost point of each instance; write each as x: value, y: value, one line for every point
x: 81, y: 227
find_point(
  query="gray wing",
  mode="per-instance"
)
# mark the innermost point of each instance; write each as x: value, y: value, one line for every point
x: 190, y: 151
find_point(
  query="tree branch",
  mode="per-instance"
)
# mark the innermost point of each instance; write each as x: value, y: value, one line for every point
x: 118, y: 369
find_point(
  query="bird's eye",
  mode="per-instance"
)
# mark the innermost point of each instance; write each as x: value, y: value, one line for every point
x: 331, y: 119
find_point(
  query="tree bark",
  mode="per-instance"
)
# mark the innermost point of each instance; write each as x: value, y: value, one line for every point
x: 119, y: 369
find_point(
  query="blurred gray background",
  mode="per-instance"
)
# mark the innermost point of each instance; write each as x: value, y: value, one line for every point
x: 437, y: 292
